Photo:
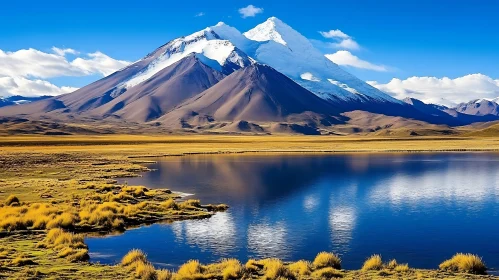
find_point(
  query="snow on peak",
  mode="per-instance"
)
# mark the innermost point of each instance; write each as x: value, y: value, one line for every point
x: 206, y: 44
x: 270, y: 30
x: 309, y: 77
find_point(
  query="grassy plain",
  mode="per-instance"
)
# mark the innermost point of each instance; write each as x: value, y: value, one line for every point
x: 49, y: 183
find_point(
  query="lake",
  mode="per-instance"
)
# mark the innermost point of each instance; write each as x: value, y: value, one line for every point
x: 416, y: 208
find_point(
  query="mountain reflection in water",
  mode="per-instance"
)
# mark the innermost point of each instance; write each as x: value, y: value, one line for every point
x: 417, y: 208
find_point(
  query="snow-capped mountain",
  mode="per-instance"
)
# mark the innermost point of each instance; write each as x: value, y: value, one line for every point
x: 270, y: 74
x: 213, y: 51
x: 18, y: 100
x: 280, y: 46
x: 479, y: 107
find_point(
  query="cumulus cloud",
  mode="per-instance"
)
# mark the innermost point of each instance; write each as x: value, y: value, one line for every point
x: 23, y: 71
x: 346, y: 58
x: 98, y: 62
x: 346, y: 44
x: 63, y: 52
x: 342, y: 40
x: 35, y: 63
x: 444, y: 91
x: 200, y: 14
x: 250, y: 11
x: 25, y: 87
x: 336, y: 33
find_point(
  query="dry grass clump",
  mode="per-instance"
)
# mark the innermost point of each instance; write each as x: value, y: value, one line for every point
x: 133, y: 257
x: 136, y: 261
x: 34, y: 216
x: 70, y: 246
x: 327, y: 273
x: 163, y: 274
x: 402, y: 268
x: 12, y: 200
x: 392, y: 264
x: 227, y: 268
x: 169, y: 204
x: 373, y: 263
x: 252, y: 265
x: 467, y: 263
x: 325, y: 259
x: 301, y: 268
x: 135, y: 191
x: 275, y: 268
x: 145, y: 271
x: 190, y: 204
x: 190, y: 270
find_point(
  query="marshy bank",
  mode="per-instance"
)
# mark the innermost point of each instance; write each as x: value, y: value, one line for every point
x: 49, y: 200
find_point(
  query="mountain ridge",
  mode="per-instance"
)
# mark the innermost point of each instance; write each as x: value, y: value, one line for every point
x: 269, y: 78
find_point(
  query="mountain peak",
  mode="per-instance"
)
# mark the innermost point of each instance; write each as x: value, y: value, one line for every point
x: 273, y: 29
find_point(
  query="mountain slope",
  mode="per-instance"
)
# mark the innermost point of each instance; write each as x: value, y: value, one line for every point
x: 163, y: 91
x: 257, y: 93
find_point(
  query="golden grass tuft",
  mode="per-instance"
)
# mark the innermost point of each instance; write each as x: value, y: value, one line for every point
x: 467, y: 263
x: 326, y: 259
x: 327, y: 273
x: 65, y: 220
x: 169, y: 204
x: 135, y: 191
x: 190, y: 204
x: 232, y: 269
x: 301, y: 268
x: 189, y: 269
x: 402, y: 268
x: 392, y: 264
x: 12, y: 200
x: 164, y: 274
x: 373, y: 263
x: 145, y: 271
x: 275, y: 269
x: 133, y: 257
x: 252, y: 265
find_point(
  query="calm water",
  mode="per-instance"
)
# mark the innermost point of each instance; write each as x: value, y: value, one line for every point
x: 417, y: 208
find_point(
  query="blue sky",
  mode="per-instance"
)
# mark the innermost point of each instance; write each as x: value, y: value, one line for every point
x: 411, y: 38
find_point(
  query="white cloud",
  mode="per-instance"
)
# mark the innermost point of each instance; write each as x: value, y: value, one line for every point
x: 22, y: 72
x: 445, y: 91
x: 250, y: 11
x: 63, y: 52
x: 25, y: 87
x: 343, y: 40
x: 35, y: 63
x: 346, y: 58
x: 348, y: 44
x: 99, y: 63
x: 336, y: 33
x: 200, y: 14
x: 309, y: 77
